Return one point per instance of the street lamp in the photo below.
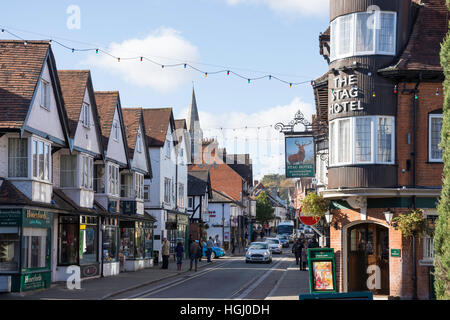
(328, 217)
(388, 216)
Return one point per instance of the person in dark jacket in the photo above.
(297, 250)
(179, 251)
(313, 243)
(195, 251)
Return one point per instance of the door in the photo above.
(368, 258)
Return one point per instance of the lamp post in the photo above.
(388, 216)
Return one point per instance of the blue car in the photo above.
(217, 252)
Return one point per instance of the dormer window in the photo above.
(45, 94)
(85, 115)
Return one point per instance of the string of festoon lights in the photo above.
(184, 65)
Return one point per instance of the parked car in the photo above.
(274, 245)
(258, 252)
(284, 240)
(217, 252)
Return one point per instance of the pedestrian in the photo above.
(165, 253)
(209, 247)
(179, 251)
(217, 241)
(189, 245)
(297, 250)
(304, 259)
(232, 245)
(262, 234)
(313, 243)
(195, 252)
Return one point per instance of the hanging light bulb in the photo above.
(185, 65)
(437, 92)
(228, 72)
(395, 89)
(162, 66)
(374, 95)
(206, 74)
(118, 59)
(73, 50)
(270, 77)
(248, 80)
(141, 59)
(290, 85)
(96, 50)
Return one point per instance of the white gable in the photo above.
(42, 119)
(139, 159)
(116, 148)
(87, 138)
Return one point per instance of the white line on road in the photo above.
(278, 282)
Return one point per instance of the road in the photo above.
(232, 278)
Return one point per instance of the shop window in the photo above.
(34, 248)
(434, 137)
(139, 241)
(68, 240)
(127, 239)
(363, 33)
(88, 241)
(110, 243)
(353, 140)
(68, 171)
(148, 231)
(9, 249)
(17, 158)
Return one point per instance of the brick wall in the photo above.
(400, 268)
(427, 174)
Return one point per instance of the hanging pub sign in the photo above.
(300, 157)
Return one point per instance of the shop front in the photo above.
(136, 244)
(177, 227)
(25, 249)
(110, 246)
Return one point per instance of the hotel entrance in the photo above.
(368, 258)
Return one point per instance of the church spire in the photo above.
(193, 120)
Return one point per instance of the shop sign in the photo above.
(36, 218)
(300, 157)
(35, 281)
(10, 217)
(395, 252)
(128, 207)
(89, 270)
(182, 219)
(344, 95)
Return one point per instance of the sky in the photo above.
(253, 38)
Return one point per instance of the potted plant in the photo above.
(314, 205)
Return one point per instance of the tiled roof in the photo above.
(422, 50)
(131, 119)
(20, 68)
(156, 124)
(73, 86)
(198, 182)
(106, 106)
(180, 127)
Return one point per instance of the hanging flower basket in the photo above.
(314, 205)
(412, 223)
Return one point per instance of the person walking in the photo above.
(304, 259)
(189, 245)
(179, 251)
(195, 252)
(313, 243)
(165, 253)
(297, 250)
(232, 245)
(209, 247)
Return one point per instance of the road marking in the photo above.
(278, 282)
(257, 283)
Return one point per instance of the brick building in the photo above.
(382, 100)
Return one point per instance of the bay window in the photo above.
(434, 137)
(126, 183)
(363, 33)
(17, 158)
(362, 140)
(68, 171)
(41, 160)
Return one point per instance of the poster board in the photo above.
(322, 270)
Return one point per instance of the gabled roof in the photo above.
(198, 182)
(157, 122)
(423, 48)
(132, 117)
(221, 197)
(20, 69)
(21, 66)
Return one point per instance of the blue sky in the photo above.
(250, 37)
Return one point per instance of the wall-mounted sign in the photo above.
(300, 157)
(395, 252)
(344, 95)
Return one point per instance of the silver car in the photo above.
(274, 245)
(258, 252)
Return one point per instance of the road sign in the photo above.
(307, 220)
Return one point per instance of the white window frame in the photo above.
(86, 115)
(335, 30)
(72, 171)
(430, 117)
(167, 192)
(334, 141)
(139, 185)
(86, 172)
(116, 130)
(45, 94)
(47, 169)
(113, 180)
(28, 158)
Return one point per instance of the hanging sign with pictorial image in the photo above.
(300, 157)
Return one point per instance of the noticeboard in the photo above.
(322, 270)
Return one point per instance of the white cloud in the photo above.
(164, 46)
(265, 145)
(290, 7)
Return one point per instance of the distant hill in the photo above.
(274, 182)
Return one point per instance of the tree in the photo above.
(264, 209)
(442, 232)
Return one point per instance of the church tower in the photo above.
(195, 132)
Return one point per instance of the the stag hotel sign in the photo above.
(344, 95)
